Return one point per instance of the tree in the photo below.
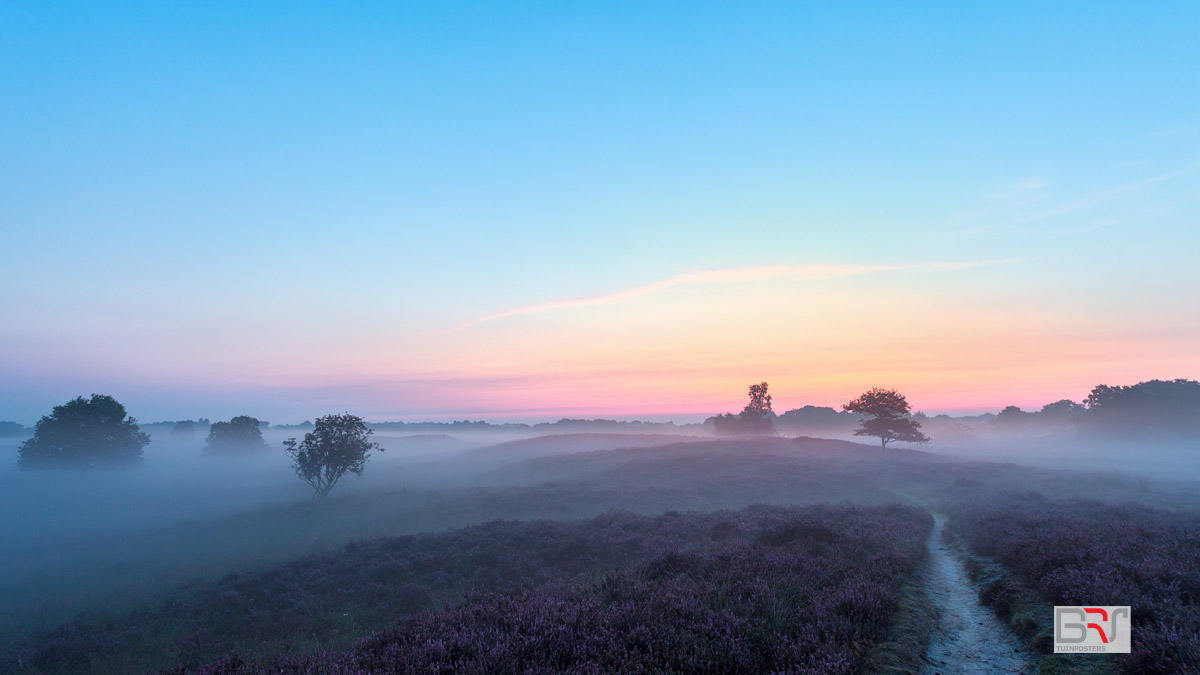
(336, 445)
(755, 418)
(84, 433)
(760, 402)
(240, 434)
(888, 417)
(183, 428)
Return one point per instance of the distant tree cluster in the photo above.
(1052, 415)
(755, 419)
(1162, 409)
(1157, 408)
(564, 425)
(817, 419)
(303, 426)
(10, 429)
(239, 435)
(84, 433)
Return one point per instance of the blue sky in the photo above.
(277, 208)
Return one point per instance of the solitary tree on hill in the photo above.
(83, 433)
(888, 417)
(336, 445)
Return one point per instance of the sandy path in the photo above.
(968, 638)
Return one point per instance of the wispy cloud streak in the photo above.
(705, 277)
(1110, 194)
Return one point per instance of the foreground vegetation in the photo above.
(761, 590)
(1094, 553)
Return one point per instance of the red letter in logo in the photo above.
(1101, 612)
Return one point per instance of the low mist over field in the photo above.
(583, 338)
(100, 544)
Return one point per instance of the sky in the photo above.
(526, 211)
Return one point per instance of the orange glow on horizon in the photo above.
(691, 349)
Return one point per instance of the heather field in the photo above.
(1094, 553)
(800, 590)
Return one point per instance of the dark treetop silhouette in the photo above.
(755, 418)
(337, 444)
(84, 433)
(1165, 409)
(237, 435)
(888, 417)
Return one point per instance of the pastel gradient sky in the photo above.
(528, 211)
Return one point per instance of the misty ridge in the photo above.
(1163, 411)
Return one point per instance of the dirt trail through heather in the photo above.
(968, 638)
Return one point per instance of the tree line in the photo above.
(1151, 410)
(1166, 410)
(887, 416)
(97, 431)
(92, 432)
